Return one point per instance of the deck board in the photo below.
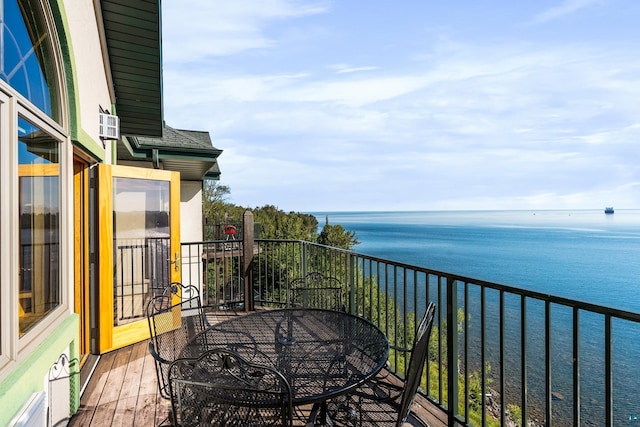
(149, 400)
(126, 406)
(91, 396)
(123, 391)
(106, 409)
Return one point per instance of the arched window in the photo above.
(26, 54)
(30, 107)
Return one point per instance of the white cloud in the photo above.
(196, 29)
(345, 68)
(567, 7)
(453, 122)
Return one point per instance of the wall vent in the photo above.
(109, 126)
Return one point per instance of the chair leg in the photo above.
(319, 416)
(169, 421)
(313, 415)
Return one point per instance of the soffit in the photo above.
(133, 36)
(189, 152)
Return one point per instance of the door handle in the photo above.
(175, 261)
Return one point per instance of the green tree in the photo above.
(277, 224)
(337, 236)
(214, 198)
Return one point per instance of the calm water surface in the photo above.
(584, 254)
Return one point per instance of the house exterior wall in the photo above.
(191, 230)
(29, 360)
(33, 374)
(26, 362)
(86, 71)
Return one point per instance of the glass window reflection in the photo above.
(26, 60)
(39, 221)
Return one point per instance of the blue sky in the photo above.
(412, 105)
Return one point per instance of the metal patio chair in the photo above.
(220, 388)
(182, 291)
(172, 326)
(382, 402)
(187, 293)
(315, 290)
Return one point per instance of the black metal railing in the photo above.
(215, 267)
(496, 352)
(141, 271)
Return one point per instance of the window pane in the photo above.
(39, 209)
(27, 60)
(141, 244)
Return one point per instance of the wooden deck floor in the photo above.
(123, 391)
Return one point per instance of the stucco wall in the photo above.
(191, 229)
(191, 211)
(92, 86)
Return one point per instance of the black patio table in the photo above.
(322, 353)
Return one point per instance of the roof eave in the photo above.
(133, 37)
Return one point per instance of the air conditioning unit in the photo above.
(109, 126)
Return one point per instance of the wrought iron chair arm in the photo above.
(156, 356)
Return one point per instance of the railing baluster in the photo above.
(483, 357)
(576, 366)
(523, 355)
(547, 363)
(466, 352)
(503, 394)
(452, 346)
(440, 351)
(608, 374)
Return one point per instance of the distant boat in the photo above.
(608, 210)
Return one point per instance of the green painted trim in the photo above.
(28, 377)
(179, 156)
(114, 152)
(90, 145)
(78, 135)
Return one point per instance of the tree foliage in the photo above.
(337, 236)
(214, 197)
(273, 223)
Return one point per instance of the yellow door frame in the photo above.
(114, 337)
(81, 253)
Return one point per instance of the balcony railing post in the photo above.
(247, 259)
(452, 349)
(303, 260)
(351, 280)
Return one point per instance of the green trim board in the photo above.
(28, 376)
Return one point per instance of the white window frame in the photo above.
(14, 349)
(7, 344)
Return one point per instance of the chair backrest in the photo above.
(222, 388)
(172, 327)
(315, 290)
(183, 291)
(416, 363)
(186, 293)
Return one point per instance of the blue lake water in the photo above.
(583, 255)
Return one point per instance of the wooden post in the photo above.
(216, 228)
(247, 257)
